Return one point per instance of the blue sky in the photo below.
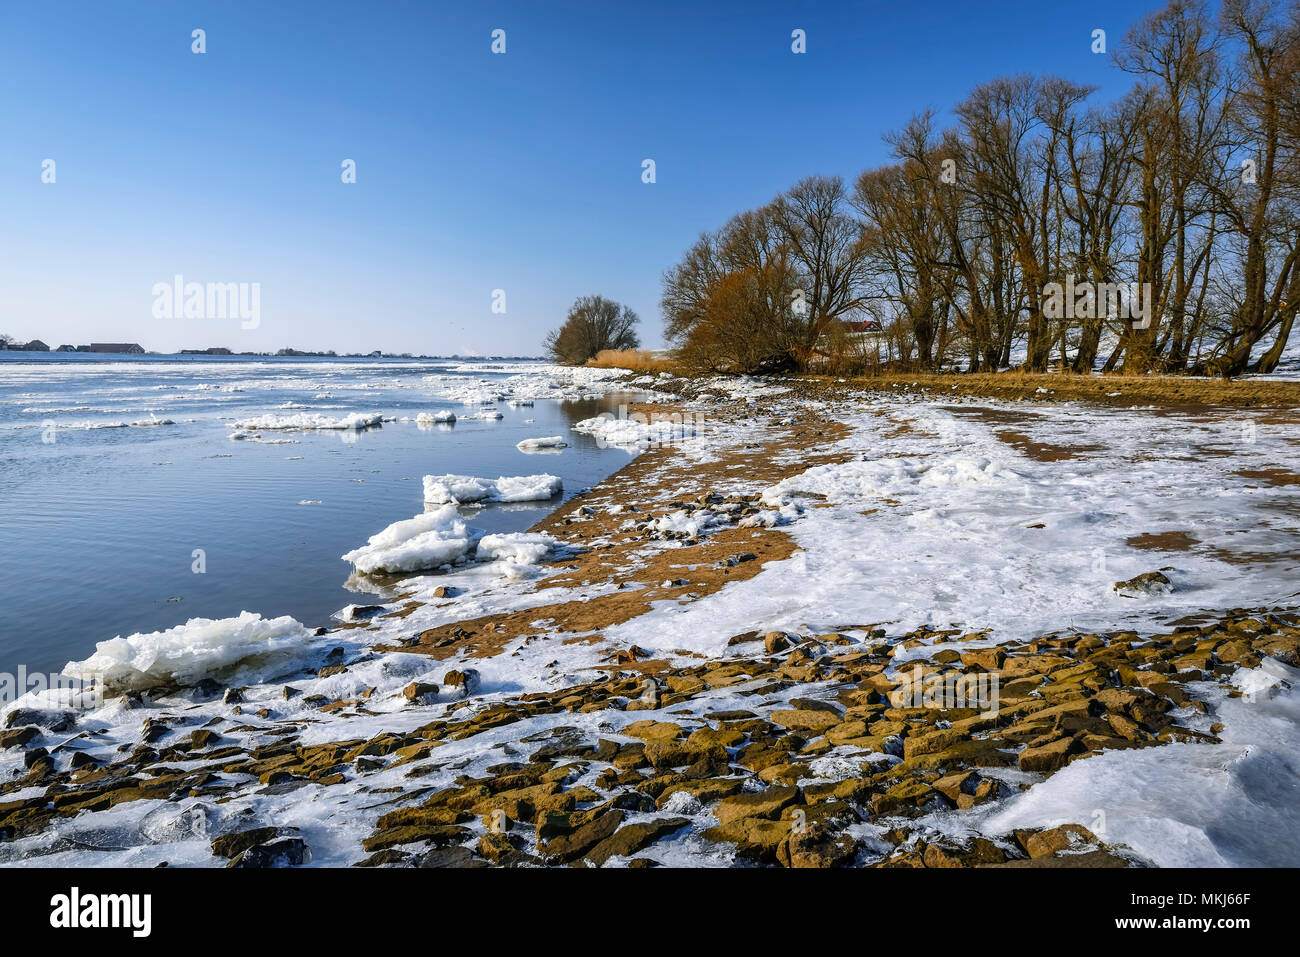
(475, 171)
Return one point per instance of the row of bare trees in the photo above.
(1187, 188)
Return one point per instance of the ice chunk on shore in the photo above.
(546, 442)
(690, 525)
(354, 421)
(427, 541)
(440, 538)
(610, 430)
(523, 548)
(181, 656)
(462, 489)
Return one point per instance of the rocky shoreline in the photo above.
(789, 749)
(571, 797)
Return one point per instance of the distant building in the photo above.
(210, 351)
(36, 346)
(129, 347)
(66, 349)
(860, 326)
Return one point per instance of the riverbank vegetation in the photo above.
(1180, 199)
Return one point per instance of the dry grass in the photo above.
(635, 360)
(1115, 390)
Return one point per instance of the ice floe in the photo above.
(436, 418)
(546, 442)
(426, 541)
(442, 538)
(309, 421)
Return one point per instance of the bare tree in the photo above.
(826, 251)
(1263, 216)
(594, 324)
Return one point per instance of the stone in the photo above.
(1051, 842)
(49, 720)
(916, 745)
(453, 856)
(704, 791)
(990, 659)
(766, 803)
(755, 837)
(386, 858)
(422, 816)
(466, 682)
(290, 852)
(569, 847)
(440, 834)
(709, 739)
(232, 845)
(1046, 758)
(955, 785)
(805, 719)
(775, 641)
(813, 849)
(980, 851)
(502, 849)
(202, 738)
(631, 838)
(653, 730)
(18, 737)
(416, 691)
(1148, 583)
(1126, 728)
(908, 793)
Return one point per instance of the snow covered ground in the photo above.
(1015, 518)
(948, 516)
